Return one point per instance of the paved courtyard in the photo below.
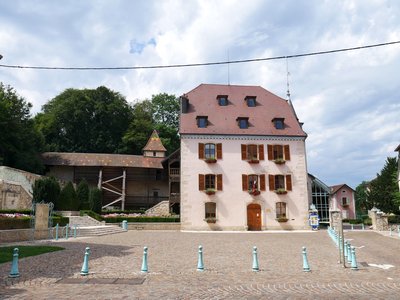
(115, 263)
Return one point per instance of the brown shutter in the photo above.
(219, 151)
(270, 152)
(261, 152)
(287, 152)
(288, 182)
(201, 182)
(244, 152)
(271, 179)
(245, 184)
(219, 182)
(262, 182)
(201, 150)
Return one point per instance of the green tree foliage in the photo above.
(95, 199)
(68, 199)
(46, 189)
(20, 142)
(160, 113)
(82, 192)
(383, 188)
(88, 120)
(361, 196)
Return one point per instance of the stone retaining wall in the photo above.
(19, 235)
(154, 226)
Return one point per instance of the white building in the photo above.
(243, 160)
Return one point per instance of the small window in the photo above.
(278, 151)
(243, 123)
(252, 152)
(345, 201)
(154, 153)
(210, 181)
(202, 122)
(279, 123)
(155, 194)
(209, 151)
(210, 210)
(279, 182)
(251, 101)
(222, 100)
(280, 210)
(252, 182)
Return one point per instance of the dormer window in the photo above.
(251, 101)
(222, 100)
(243, 123)
(202, 121)
(279, 123)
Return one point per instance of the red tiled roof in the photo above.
(154, 143)
(222, 119)
(398, 148)
(336, 188)
(101, 159)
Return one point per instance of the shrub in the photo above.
(91, 214)
(82, 192)
(394, 219)
(68, 198)
(135, 211)
(95, 199)
(18, 211)
(61, 221)
(15, 223)
(46, 189)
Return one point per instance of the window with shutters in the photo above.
(252, 153)
(280, 184)
(280, 208)
(279, 153)
(210, 183)
(253, 183)
(210, 152)
(210, 212)
(345, 201)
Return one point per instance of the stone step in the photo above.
(84, 221)
(97, 230)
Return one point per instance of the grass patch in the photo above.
(6, 253)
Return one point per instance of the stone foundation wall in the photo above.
(19, 235)
(14, 196)
(154, 226)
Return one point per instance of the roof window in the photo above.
(202, 121)
(243, 123)
(279, 123)
(222, 100)
(251, 101)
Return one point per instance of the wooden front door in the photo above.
(254, 217)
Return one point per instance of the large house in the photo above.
(243, 160)
(343, 199)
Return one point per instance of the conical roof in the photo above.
(154, 143)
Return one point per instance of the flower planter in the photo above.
(254, 193)
(210, 192)
(282, 220)
(253, 161)
(210, 160)
(279, 161)
(281, 191)
(210, 220)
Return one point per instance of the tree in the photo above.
(68, 199)
(46, 189)
(20, 142)
(361, 196)
(82, 192)
(88, 120)
(95, 199)
(383, 189)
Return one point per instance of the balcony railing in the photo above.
(174, 172)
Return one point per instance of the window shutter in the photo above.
(219, 151)
(271, 179)
(201, 182)
(262, 182)
(287, 152)
(288, 182)
(245, 184)
(201, 151)
(219, 182)
(244, 152)
(270, 152)
(261, 152)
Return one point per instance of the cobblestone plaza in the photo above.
(115, 263)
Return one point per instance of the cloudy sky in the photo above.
(349, 102)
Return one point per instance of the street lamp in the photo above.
(1, 56)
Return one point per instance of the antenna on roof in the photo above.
(287, 79)
(229, 82)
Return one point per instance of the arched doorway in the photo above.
(254, 217)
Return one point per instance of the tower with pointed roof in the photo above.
(154, 146)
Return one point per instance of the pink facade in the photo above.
(343, 199)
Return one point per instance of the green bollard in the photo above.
(306, 267)
(363, 226)
(66, 231)
(353, 259)
(352, 227)
(74, 231)
(349, 259)
(200, 264)
(144, 263)
(85, 266)
(255, 260)
(345, 249)
(57, 232)
(14, 266)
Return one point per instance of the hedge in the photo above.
(13, 211)
(142, 219)
(25, 222)
(394, 219)
(137, 211)
(92, 214)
